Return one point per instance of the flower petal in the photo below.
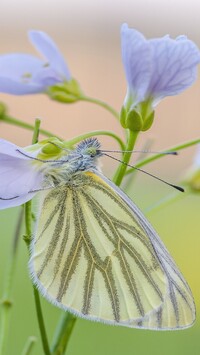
(17, 72)
(10, 149)
(196, 162)
(16, 201)
(49, 50)
(13, 87)
(19, 65)
(174, 66)
(19, 175)
(136, 55)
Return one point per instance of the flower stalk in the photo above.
(160, 155)
(63, 333)
(121, 170)
(28, 225)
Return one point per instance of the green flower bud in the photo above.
(192, 180)
(134, 121)
(66, 92)
(123, 115)
(195, 182)
(50, 148)
(148, 121)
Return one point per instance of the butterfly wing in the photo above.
(96, 255)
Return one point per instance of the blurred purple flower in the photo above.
(22, 74)
(157, 67)
(19, 175)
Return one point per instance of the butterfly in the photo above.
(94, 253)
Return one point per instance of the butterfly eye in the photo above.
(91, 151)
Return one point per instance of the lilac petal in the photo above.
(174, 66)
(197, 158)
(136, 55)
(47, 77)
(17, 72)
(16, 201)
(18, 65)
(9, 86)
(49, 50)
(18, 174)
(12, 150)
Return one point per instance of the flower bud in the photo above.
(123, 115)
(66, 92)
(134, 121)
(50, 148)
(148, 121)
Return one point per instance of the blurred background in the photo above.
(88, 34)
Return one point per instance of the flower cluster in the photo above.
(154, 69)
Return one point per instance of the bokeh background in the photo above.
(88, 34)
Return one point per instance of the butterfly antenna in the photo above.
(140, 151)
(179, 188)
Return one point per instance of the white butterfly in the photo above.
(93, 252)
(96, 255)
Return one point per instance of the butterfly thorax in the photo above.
(69, 170)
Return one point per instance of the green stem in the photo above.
(28, 219)
(40, 318)
(6, 302)
(96, 133)
(19, 123)
(29, 345)
(160, 155)
(63, 333)
(100, 103)
(121, 171)
(28, 224)
(30, 127)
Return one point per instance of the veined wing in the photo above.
(96, 255)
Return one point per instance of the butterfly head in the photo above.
(89, 148)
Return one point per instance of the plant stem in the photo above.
(121, 171)
(6, 302)
(96, 133)
(40, 318)
(28, 219)
(28, 224)
(160, 155)
(29, 345)
(63, 333)
(30, 127)
(19, 123)
(102, 104)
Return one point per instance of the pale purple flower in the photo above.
(22, 74)
(19, 175)
(196, 162)
(157, 67)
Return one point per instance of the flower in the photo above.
(23, 171)
(22, 74)
(156, 68)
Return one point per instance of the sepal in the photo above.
(66, 92)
